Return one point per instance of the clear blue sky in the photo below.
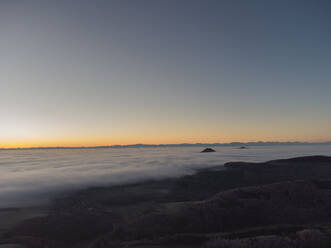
(170, 71)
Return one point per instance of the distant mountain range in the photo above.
(258, 143)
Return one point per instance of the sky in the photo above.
(84, 73)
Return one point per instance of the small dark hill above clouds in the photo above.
(208, 150)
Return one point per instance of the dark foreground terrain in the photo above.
(280, 203)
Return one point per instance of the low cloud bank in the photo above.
(33, 177)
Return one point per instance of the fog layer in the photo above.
(32, 177)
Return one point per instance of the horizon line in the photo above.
(251, 143)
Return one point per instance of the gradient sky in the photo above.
(171, 71)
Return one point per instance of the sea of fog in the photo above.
(31, 177)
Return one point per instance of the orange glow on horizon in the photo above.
(124, 142)
(152, 135)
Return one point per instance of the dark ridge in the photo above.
(302, 160)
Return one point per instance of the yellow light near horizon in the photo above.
(92, 143)
(40, 136)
